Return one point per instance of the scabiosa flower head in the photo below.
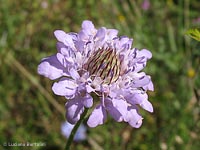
(98, 61)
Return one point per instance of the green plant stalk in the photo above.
(71, 137)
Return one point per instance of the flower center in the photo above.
(104, 63)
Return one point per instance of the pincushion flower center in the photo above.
(104, 63)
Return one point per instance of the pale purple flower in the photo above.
(80, 135)
(98, 61)
(145, 5)
(196, 20)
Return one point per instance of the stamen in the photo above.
(104, 63)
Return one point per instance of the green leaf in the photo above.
(194, 33)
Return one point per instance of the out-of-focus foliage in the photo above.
(31, 113)
(194, 33)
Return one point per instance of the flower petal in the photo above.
(141, 59)
(88, 27)
(133, 118)
(62, 59)
(137, 97)
(97, 117)
(51, 68)
(64, 50)
(117, 108)
(83, 37)
(89, 89)
(100, 35)
(65, 87)
(74, 74)
(141, 82)
(147, 105)
(111, 33)
(87, 100)
(144, 53)
(64, 38)
(123, 43)
(149, 86)
(74, 109)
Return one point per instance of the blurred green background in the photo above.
(30, 112)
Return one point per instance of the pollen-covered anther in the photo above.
(105, 64)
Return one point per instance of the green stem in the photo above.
(71, 137)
